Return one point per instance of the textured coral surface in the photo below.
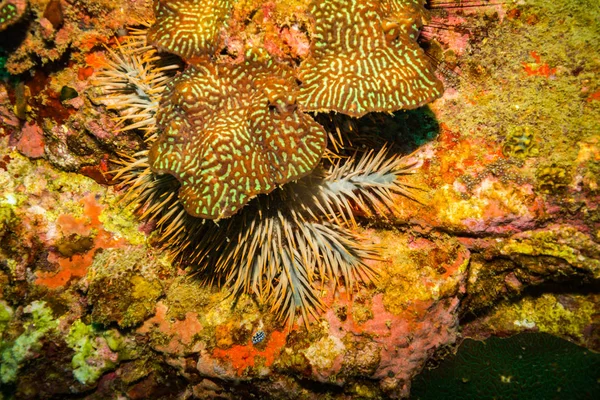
(362, 61)
(224, 142)
(505, 237)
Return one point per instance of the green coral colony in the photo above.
(232, 138)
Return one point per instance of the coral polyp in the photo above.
(234, 174)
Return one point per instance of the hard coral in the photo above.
(188, 28)
(359, 63)
(229, 133)
(519, 142)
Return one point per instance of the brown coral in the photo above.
(188, 28)
(360, 62)
(231, 132)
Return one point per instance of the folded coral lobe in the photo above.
(363, 59)
(188, 28)
(231, 132)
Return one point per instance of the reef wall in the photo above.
(505, 237)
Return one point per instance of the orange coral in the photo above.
(77, 265)
(593, 96)
(242, 357)
(538, 68)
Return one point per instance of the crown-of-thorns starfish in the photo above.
(231, 140)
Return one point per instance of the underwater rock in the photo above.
(527, 366)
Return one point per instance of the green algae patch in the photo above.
(74, 183)
(6, 314)
(15, 353)
(564, 243)
(7, 214)
(96, 351)
(11, 199)
(118, 219)
(547, 313)
(36, 187)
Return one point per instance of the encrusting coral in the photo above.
(230, 142)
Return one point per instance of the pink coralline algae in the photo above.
(178, 335)
(31, 142)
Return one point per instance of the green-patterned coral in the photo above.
(188, 28)
(231, 132)
(11, 12)
(360, 62)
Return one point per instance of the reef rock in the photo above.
(498, 234)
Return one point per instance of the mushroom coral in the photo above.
(188, 28)
(362, 61)
(231, 132)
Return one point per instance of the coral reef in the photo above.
(54, 29)
(504, 237)
(222, 133)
